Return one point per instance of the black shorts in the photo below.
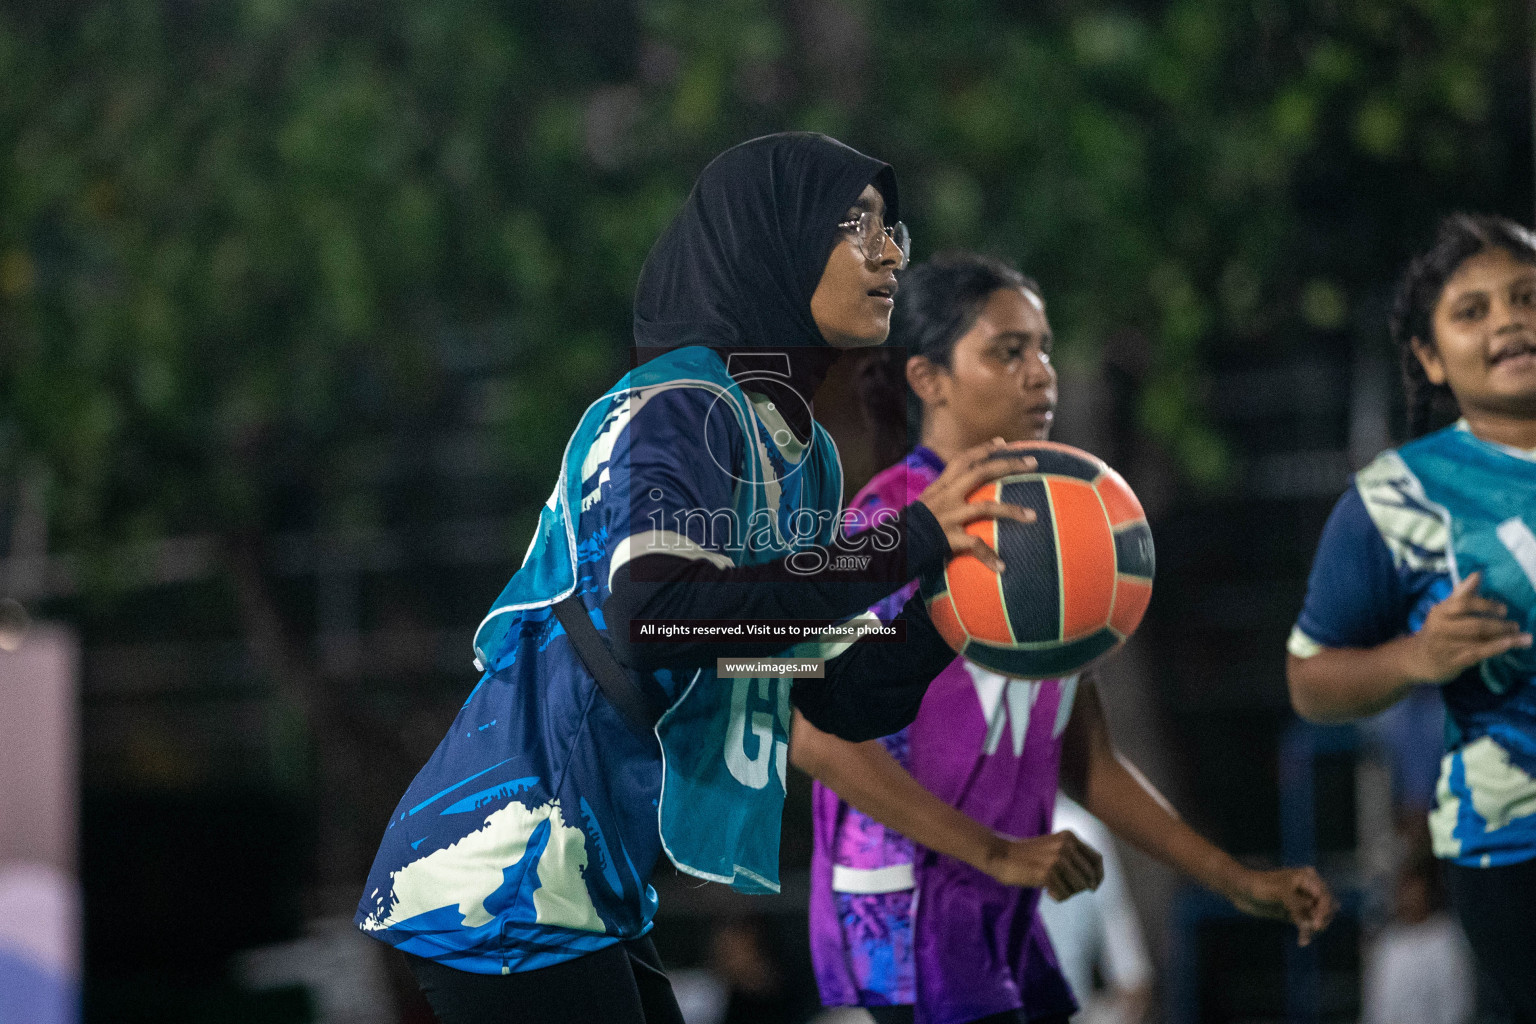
(622, 984)
(1497, 907)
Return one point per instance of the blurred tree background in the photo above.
(299, 301)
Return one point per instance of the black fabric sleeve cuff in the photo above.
(875, 688)
(927, 547)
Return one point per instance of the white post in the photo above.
(40, 954)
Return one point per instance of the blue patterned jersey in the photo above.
(528, 836)
(1417, 520)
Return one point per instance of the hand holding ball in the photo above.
(1078, 571)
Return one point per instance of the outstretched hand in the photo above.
(946, 497)
(1298, 895)
(1461, 631)
(1061, 864)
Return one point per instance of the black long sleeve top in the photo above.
(872, 688)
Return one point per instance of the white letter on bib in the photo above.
(751, 772)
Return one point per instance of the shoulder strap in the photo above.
(641, 705)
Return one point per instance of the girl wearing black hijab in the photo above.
(513, 873)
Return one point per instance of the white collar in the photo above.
(1528, 454)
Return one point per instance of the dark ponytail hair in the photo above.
(1460, 237)
(937, 302)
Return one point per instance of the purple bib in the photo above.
(893, 923)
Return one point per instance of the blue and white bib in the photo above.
(527, 838)
(1419, 520)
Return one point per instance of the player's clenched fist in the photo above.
(1297, 895)
(1459, 632)
(1061, 864)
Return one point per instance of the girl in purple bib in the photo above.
(932, 846)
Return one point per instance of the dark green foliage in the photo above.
(230, 230)
(232, 235)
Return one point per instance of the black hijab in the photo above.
(738, 265)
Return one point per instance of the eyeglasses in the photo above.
(869, 237)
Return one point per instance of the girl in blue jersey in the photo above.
(1426, 574)
(513, 873)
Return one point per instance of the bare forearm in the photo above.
(1093, 772)
(1137, 813)
(1340, 683)
(1115, 791)
(870, 779)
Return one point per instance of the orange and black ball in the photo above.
(1077, 580)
